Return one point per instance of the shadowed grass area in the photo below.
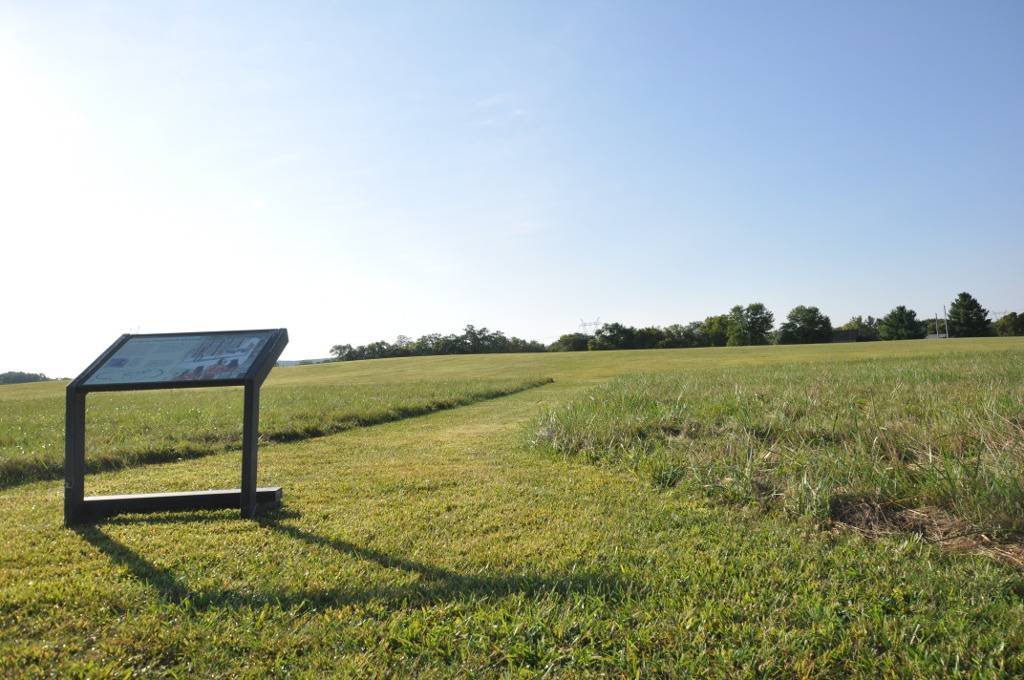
(944, 432)
(430, 583)
(147, 427)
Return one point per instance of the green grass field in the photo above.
(720, 512)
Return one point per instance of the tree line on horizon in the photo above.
(18, 377)
(472, 340)
(753, 324)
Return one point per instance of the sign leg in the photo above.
(250, 439)
(74, 456)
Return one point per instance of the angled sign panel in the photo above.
(172, 358)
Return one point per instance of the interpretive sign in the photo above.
(207, 356)
(168, 361)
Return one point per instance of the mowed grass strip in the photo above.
(125, 429)
(854, 441)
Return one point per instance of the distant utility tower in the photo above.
(588, 327)
(938, 334)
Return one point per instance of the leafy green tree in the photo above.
(967, 318)
(737, 329)
(571, 342)
(678, 335)
(472, 339)
(750, 325)
(613, 336)
(429, 344)
(1010, 324)
(805, 325)
(760, 321)
(341, 352)
(378, 350)
(520, 345)
(715, 330)
(450, 344)
(867, 329)
(901, 324)
(648, 338)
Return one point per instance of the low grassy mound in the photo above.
(141, 427)
(942, 433)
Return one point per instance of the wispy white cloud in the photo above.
(499, 99)
(502, 108)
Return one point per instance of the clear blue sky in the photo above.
(357, 170)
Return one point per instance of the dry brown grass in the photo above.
(931, 524)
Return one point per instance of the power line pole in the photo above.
(586, 326)
(946, 319)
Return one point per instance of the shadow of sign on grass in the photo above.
(436, 584)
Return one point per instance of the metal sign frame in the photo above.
(80, 508)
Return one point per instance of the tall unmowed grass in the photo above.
(941, 432)
(142, 427)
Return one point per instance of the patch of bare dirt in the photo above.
(932, 524)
